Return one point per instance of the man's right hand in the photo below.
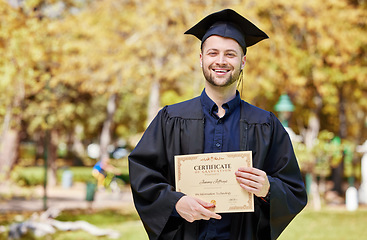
(192, 209)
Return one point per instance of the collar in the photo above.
(210, 106)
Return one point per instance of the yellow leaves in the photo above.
(326, 44)
(335, 60)
(38, 54)
(122, 46)
(7, 72)
(319, 75)
(299, 81)
(31, 4)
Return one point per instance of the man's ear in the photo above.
(243, 62)
(201, 60)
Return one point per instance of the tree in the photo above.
(62, 67)
(22, 59)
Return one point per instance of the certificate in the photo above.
(211, 177)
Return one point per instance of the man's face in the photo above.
(221, 60)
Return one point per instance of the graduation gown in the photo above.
(179, 129)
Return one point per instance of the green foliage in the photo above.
(32, 176)
(327, 152)
(80, 174)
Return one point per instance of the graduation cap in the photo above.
(230, 24)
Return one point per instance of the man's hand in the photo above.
(192, 209)
(253, 180)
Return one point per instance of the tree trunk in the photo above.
(106, 130)
(343, 128)
(77, 147)
(154, 98)
(51, 159)
(312, 131)
(154, 101)
(337, 171)
(9, 144)
(8, 152)
(310, 135)
(10, 135)
(315, 194)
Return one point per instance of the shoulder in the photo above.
(190, 109)
(255, 115)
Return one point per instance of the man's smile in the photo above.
(221, 71)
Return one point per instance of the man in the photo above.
(100, 170)
(217, 121)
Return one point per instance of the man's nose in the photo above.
(221, 60)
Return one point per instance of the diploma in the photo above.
(211, 177)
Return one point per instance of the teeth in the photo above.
(221, 71)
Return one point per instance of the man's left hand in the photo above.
(253, 180)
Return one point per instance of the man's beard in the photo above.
(229, 80)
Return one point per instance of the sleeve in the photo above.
(288, 195)
(151, 183)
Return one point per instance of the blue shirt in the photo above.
(98, 166)
(220, 135)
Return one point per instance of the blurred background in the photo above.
(80, 80)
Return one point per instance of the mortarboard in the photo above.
(230, 24)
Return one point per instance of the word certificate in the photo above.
(211, 177)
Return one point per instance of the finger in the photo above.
(252, 170)
(249, 182)
(250, 177)
(208, 210)
(210, 214)
(252, 174)
(249, 189)
(206, 213)
(205, 204)
(260, 189)
(204, 217)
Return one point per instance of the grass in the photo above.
(127, 224)
(335, 224)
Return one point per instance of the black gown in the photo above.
(179, 129)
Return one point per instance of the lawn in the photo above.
(333, 224)
(129, 229)
(124, 221)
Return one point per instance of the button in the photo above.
(217, 145)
